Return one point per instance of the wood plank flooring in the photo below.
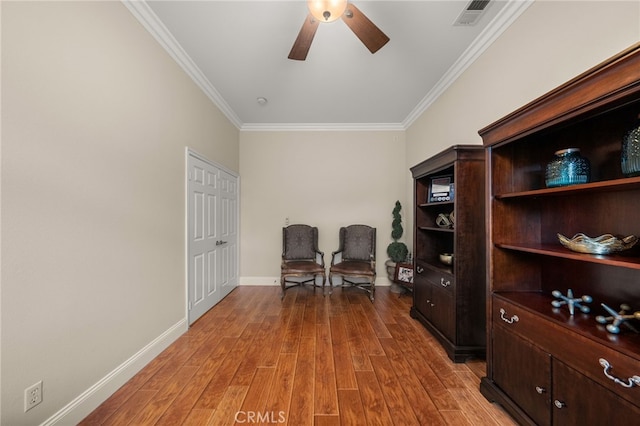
(304, 360)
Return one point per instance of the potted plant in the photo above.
(397, 250)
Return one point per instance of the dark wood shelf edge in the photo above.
(561, 252)
(494, 394)
(436, 229)
(444, 159)
(437, 204)
(457, 354)
(623, 184)
(437, 266)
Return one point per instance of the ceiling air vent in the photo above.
(471, 13)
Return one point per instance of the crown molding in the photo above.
(509, 13)
(318, 127)
(150, 21)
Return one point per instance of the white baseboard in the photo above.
(90, 399)
(275, 281)
(260, 281)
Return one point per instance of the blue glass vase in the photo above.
(630, 158)
(568, 168)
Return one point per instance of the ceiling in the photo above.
(236, 51)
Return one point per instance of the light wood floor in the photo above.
(305, 360)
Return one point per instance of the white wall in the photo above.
(95, 120)
(325, 179)
(549, 44)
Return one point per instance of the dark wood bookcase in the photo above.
(449, 300)
(544, 365)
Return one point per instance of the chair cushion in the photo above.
(352, 267)
(302, 267)
(299, 243)
(358, 243)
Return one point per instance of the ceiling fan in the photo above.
(329, 11)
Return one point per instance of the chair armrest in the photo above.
(333, 256)
(321, 254)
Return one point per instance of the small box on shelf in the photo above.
(441, 189)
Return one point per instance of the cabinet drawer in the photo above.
(515, 319)
(591, 359)
(579, 352)
(580, 401)
(438, 278)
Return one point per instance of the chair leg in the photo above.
(282, 284)
(373, 288)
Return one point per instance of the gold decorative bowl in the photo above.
(604, 244)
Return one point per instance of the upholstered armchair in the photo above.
(355, 259)
(301, 258)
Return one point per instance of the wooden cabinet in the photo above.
(544, 365)
(540, 383)
(449, 300)
(434, 298)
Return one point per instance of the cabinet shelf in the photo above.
(436, 266)
(626, 184)
(436, 229)
(436, 204)
(621, 260)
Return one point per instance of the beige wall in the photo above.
(550, 43)
(95, 120)
(325, 179)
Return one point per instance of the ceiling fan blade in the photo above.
(303, 41)
(367, 32)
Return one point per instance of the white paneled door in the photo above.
(212, 226)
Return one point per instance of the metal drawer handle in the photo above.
(559, 404)
(631, 382)
(419, 269)
(540, 390)
(508, 320)
(444, 283)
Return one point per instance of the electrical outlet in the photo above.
(32, 396)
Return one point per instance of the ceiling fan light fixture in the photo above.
(327, 10)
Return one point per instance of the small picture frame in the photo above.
(441, 189)
(404, 273)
